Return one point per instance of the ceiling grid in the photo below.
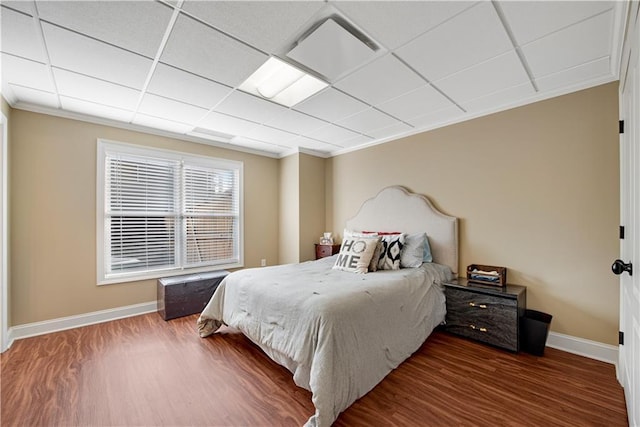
(176, 67)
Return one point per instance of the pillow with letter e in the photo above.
(356, 253)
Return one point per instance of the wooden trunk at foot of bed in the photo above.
(184, 295)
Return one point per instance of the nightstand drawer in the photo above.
(493, 310)
(487, 315)
(326, 250)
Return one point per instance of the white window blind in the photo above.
(166, 211)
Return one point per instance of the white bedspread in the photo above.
(339, 333)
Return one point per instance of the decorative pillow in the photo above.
(427, 251)
(373, 265)
(392, 245)
(413, 252)
(356, 252)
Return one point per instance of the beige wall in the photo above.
(312, 204)
(4, 107)
(289, 237)
(536, 189)
(53, 215)
(6, 111)
(302, 206)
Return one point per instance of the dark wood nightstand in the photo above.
(490, 314)
(326, 250)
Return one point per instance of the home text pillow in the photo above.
(392, 245)
(373, 265)
(356, 253)
(413, 252)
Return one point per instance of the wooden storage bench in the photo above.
(184, 295)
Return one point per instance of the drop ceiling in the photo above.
(174, 67)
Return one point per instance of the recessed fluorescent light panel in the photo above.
(282, 83)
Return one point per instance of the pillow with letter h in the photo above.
(355, 253)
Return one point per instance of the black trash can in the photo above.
(534, 331)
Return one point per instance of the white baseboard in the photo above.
(583, 347)
(86, 319)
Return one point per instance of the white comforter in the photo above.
(340, 333)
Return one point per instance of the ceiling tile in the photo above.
(94, 90)
(393, 23)
(134, 25)
(496, 100)
(358, 140)
(202, 50)
(218, 122)
(186, 87)
(530, 20)
(20, 36)
(390, 131)
(580, 43)
(249, 107)
(312, 144)
(258, 145)
(163, 124)
(367, 121)
(34, 96)
(269, 134)
(293, 121)
(83, 55)
(237, 127)
(471, 37)
(380, 81)
(21, 5)
(266, 25)
(434, 119)
(334, 134)
(169, 109)
(576, 75)
(27, 73)
(487, 77)
(416, 103)
(331, 105)
(97, 110)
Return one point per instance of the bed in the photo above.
(338, 332)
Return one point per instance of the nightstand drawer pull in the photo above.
(475, 328)
(473, 304)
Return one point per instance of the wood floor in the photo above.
(144, 371)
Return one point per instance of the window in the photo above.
(163, 212)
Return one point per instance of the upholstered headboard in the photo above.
(395, 209)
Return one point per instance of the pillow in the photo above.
(355, 252)
(427, 251)
(373, 265)
(413, 252)
(392, 245)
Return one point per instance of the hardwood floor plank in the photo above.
(145, 371)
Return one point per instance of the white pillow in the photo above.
(356, 252)
(413, 252)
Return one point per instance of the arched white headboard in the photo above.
(395, 209)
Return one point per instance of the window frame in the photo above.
(104, 147)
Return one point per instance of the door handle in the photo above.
(620, 267)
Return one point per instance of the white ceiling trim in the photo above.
(138, 128)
